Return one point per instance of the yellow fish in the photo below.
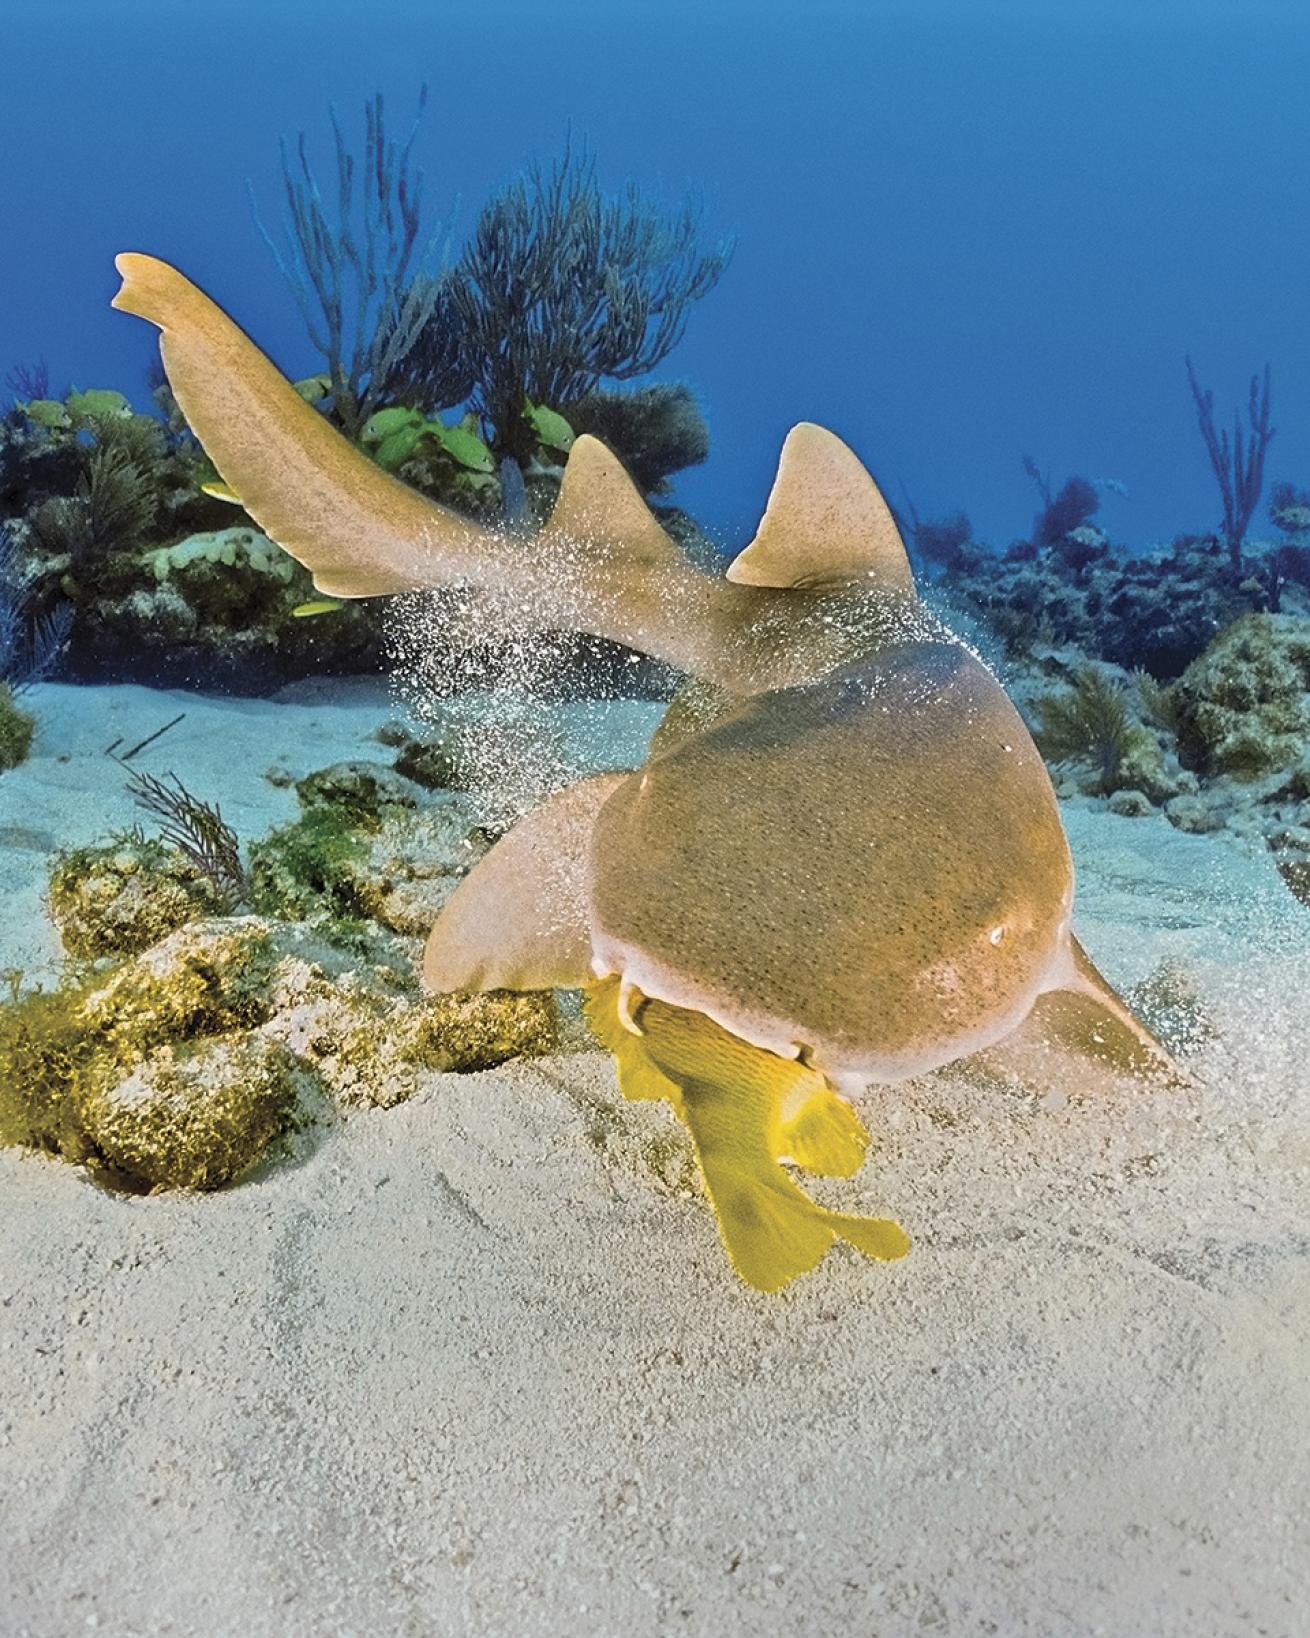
(747, 1111)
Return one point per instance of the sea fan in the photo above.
(197, 829)
(29, 648)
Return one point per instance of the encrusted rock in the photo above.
(369, 1044)
(468, 1032)
(365, 791)
(206, 978)
(121, 898)
(432, 763)
(16, 730)
(193, 1118)
(415, 862)
(1243, 707)
(1192, 813)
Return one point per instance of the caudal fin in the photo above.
(359, 531)
(771, 1229)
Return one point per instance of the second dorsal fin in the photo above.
(600, 508)
(826, 521)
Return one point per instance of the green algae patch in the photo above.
(361, 793)
(361, 854)
(16, 730)
(306, 871)
(124, 896)
(51, 1061)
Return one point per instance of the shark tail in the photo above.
(603, 564)
(360, 531)
(746, 1110)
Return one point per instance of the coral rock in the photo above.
(206, 978)
(121, 898)
(469, 1032)
(193, 1120)
(1243, 707)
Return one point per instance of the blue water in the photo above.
(965, 231)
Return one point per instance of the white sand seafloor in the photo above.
(467, 1367)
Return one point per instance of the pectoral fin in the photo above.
(519, 919)
(1079, 1038)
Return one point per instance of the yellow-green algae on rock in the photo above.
(180, 1066)
(193, 1119)
(135, 1071)
(125, 895)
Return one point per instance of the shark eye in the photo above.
(997, 934)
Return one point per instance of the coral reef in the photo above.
(124, 557)
(655, 431)
(1223, 748)
(1157, 612)
(128, 542)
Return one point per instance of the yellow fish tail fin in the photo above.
(771, 1230)
(746, 1108)
(826, 1136)
(877, 1237)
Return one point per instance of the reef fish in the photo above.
(843, 861)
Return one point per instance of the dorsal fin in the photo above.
(826, 520)
(600, 506)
